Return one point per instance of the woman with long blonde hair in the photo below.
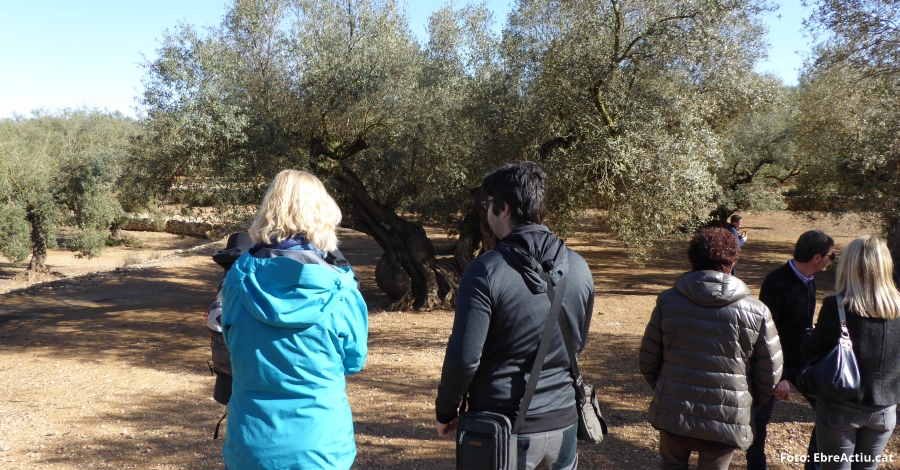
(296, 326)
(858, 430)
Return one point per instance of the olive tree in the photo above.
(339, 88)
(849, 119)
(622, 103)
(629, 99)
(60, 169)
(760, 158)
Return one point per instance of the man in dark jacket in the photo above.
(790, 294)
(501, 310)
(712, 356)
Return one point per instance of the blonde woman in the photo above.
(296, 325)
(858, 430)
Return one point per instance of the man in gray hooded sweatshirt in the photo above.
(501, 309)
(712, 356)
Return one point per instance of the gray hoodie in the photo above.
(501, 310)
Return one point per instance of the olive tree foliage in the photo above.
(849, 119)
(759, 150)
(341, 89)
(629, 100)
(623, 103)
(60, 169)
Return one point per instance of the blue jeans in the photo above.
(552, 450)
(855, 431)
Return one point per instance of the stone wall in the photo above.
(177, 225)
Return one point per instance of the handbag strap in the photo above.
(845, 333)
(556, 297)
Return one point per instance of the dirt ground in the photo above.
(108, 370)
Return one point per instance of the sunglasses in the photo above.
(487, 203)
(832, 256)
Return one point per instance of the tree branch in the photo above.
(748, 175)
(601, 107)
(13, 181)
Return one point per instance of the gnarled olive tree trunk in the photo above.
(432, 281)
(39, 214)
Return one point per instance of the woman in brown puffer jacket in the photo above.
(712, 356)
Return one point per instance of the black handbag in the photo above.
(832, 376)
(485, 440)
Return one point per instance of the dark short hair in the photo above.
(713, 248)
(736, 218)
(812, 243)
(521, 185)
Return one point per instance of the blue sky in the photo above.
(72, 53)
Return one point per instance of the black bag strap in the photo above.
(216, 434)
(556, 298)
(567, 339)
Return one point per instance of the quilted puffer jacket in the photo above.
(712, 356)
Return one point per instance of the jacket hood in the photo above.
(711, 288)
(289, 291)
(531, 249)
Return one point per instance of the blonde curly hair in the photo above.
(297, 203)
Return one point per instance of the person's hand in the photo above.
(783, 390)
(446, 430)
(744, 235)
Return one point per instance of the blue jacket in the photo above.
(295, 326)
(737, 235)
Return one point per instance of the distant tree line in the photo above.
(646, 110)
(61, 169)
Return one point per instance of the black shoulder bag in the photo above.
(591, 425)
(833, 376)
(486, 440)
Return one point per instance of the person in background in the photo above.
(296, 325)
(735, 228)
(860, 427)
(790, 293)
(220, 364)
(711, 354)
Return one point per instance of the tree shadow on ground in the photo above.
(616, 273)
(159, 431)
(113, 314)
(396, 432)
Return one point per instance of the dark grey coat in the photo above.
(712, 355)
(501, 310)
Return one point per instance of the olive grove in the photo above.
(848, 119)
(630, 106)
(60, 169)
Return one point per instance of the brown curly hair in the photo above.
(713, 249)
